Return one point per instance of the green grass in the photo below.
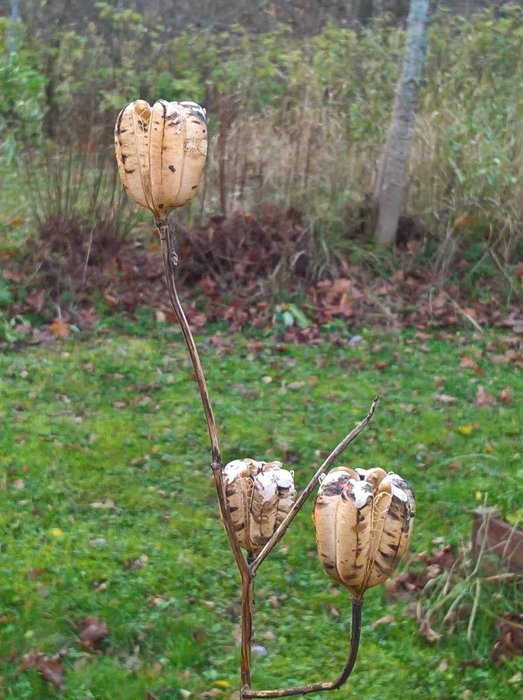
(117, 416)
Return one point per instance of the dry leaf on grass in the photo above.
(426, 631)
(443, 557)
(506, 395)
(332, 611)
(49, 667)
(91, 631)
(484, 398)
(445, 398)
(406, 586)
(60, 329)
(468, 362)
(385, 620)
(510, 641)
(139, 563)
(35, 301)
(103, 504)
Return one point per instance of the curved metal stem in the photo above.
(357, 607)
(246, 640)
(170, 262)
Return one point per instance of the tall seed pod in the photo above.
(160, 151)
(363, 521)
(259, 495)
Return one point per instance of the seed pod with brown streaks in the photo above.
(363, 523)
(160, 151)
(258, 495)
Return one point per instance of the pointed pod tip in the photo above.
(142, 109)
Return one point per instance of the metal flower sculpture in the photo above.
(363, 519)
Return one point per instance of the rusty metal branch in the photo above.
(170, 262)
(336, 452)
(357, 607)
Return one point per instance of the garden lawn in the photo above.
(107, 509)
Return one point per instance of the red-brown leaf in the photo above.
(484, 398)
(506, 395)
(91, 631)
(50, 668)
(60, 329)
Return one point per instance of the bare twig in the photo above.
(466, 315)
(336, 452)
(87, 256)
(170, 261)
(357, 606)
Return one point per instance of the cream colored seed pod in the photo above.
(363, 521)
(160, 151)
(259, 495)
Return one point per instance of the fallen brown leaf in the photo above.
(14, 277)
(468, 362)
(444, 557)
(60, 329)
(506, 395)
(91, 631)
(484, 398)
(426, 631)
(510, 641)
(138, 563)
(385, 620)
(103, 504)
(332, 611)
(445, 398)
(35, 301)
(110, 298)
(406, 586)
(49, 667)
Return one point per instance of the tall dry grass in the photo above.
(301, 123)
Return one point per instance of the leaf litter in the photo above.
(234, 269)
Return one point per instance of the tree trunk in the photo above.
(390, 189)
(15, 16)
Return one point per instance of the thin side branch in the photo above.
(170, 262)
(357, 607)
(336, 452)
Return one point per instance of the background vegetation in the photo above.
(295, 121)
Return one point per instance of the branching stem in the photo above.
(248, 568)
(357, 607)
